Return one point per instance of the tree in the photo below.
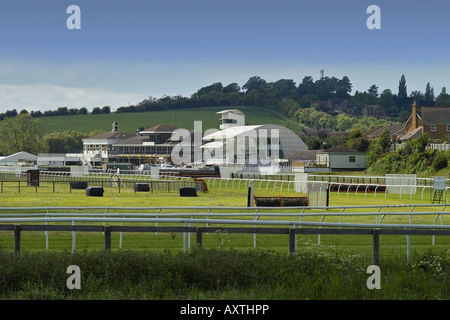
(443, 99)
(215, 87)
(307, 87)
(387, 101)
(429, 95)
(385, 140)
(373, 90)
(232, 87)
(21, 134)
(63, 142)
(357, 141)
(36, 114)
(11, 113)
(254, 83)
(402, 97)
(420, 144)
(62, 111)
(418, 97)
(105, 110)
(82, 110)
(374, 154)
(345, 86)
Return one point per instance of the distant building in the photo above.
(432, 121)
(375, 111)
(149, 146)
(348, 107)
(396, 130)
(237, 142)
(231, 118)
(19, 158)
(342, 159)
(334, 159)
(305, 161)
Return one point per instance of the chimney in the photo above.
(414, 115)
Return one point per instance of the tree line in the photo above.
(61, 111)
(22, 133)
(283, 95)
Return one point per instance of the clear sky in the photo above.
(129, 50)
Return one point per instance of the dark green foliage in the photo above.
(413, 158)
(313, 273)
(440, 161)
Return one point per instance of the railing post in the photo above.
(107, 238)
(376, 246)
(292, 248)
(17, 230)
(199, 237)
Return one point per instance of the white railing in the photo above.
(229, 216)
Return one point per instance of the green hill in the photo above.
(183, 118)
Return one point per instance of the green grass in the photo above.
(180, 118)
(153, 266)
(316, 273)
(216, 197)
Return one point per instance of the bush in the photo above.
(440, 161)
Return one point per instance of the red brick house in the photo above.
(432, 121)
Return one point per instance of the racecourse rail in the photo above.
(250, 220)
(343, 185)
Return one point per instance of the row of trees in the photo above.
(62, 111)
(258, 92)
(283, 95)
(22, 133)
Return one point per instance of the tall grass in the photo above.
(315, 273)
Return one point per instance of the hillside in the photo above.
(183, 118)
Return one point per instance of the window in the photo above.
(352, 159)
(432, 128)
(448, 128)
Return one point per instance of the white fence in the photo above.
(186, 216)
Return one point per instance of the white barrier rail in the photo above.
(253, 215)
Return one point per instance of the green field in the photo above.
(152, 266)
(223, 196)
(180, 118)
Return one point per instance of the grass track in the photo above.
(45, 197)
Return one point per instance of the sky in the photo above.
(127, 51)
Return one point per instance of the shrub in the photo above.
(440, 161)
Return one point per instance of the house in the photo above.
(348, 107)
(432, 121)
(436, 122)
(375, 111)
(396, 130)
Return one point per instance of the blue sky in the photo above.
(129, 50)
